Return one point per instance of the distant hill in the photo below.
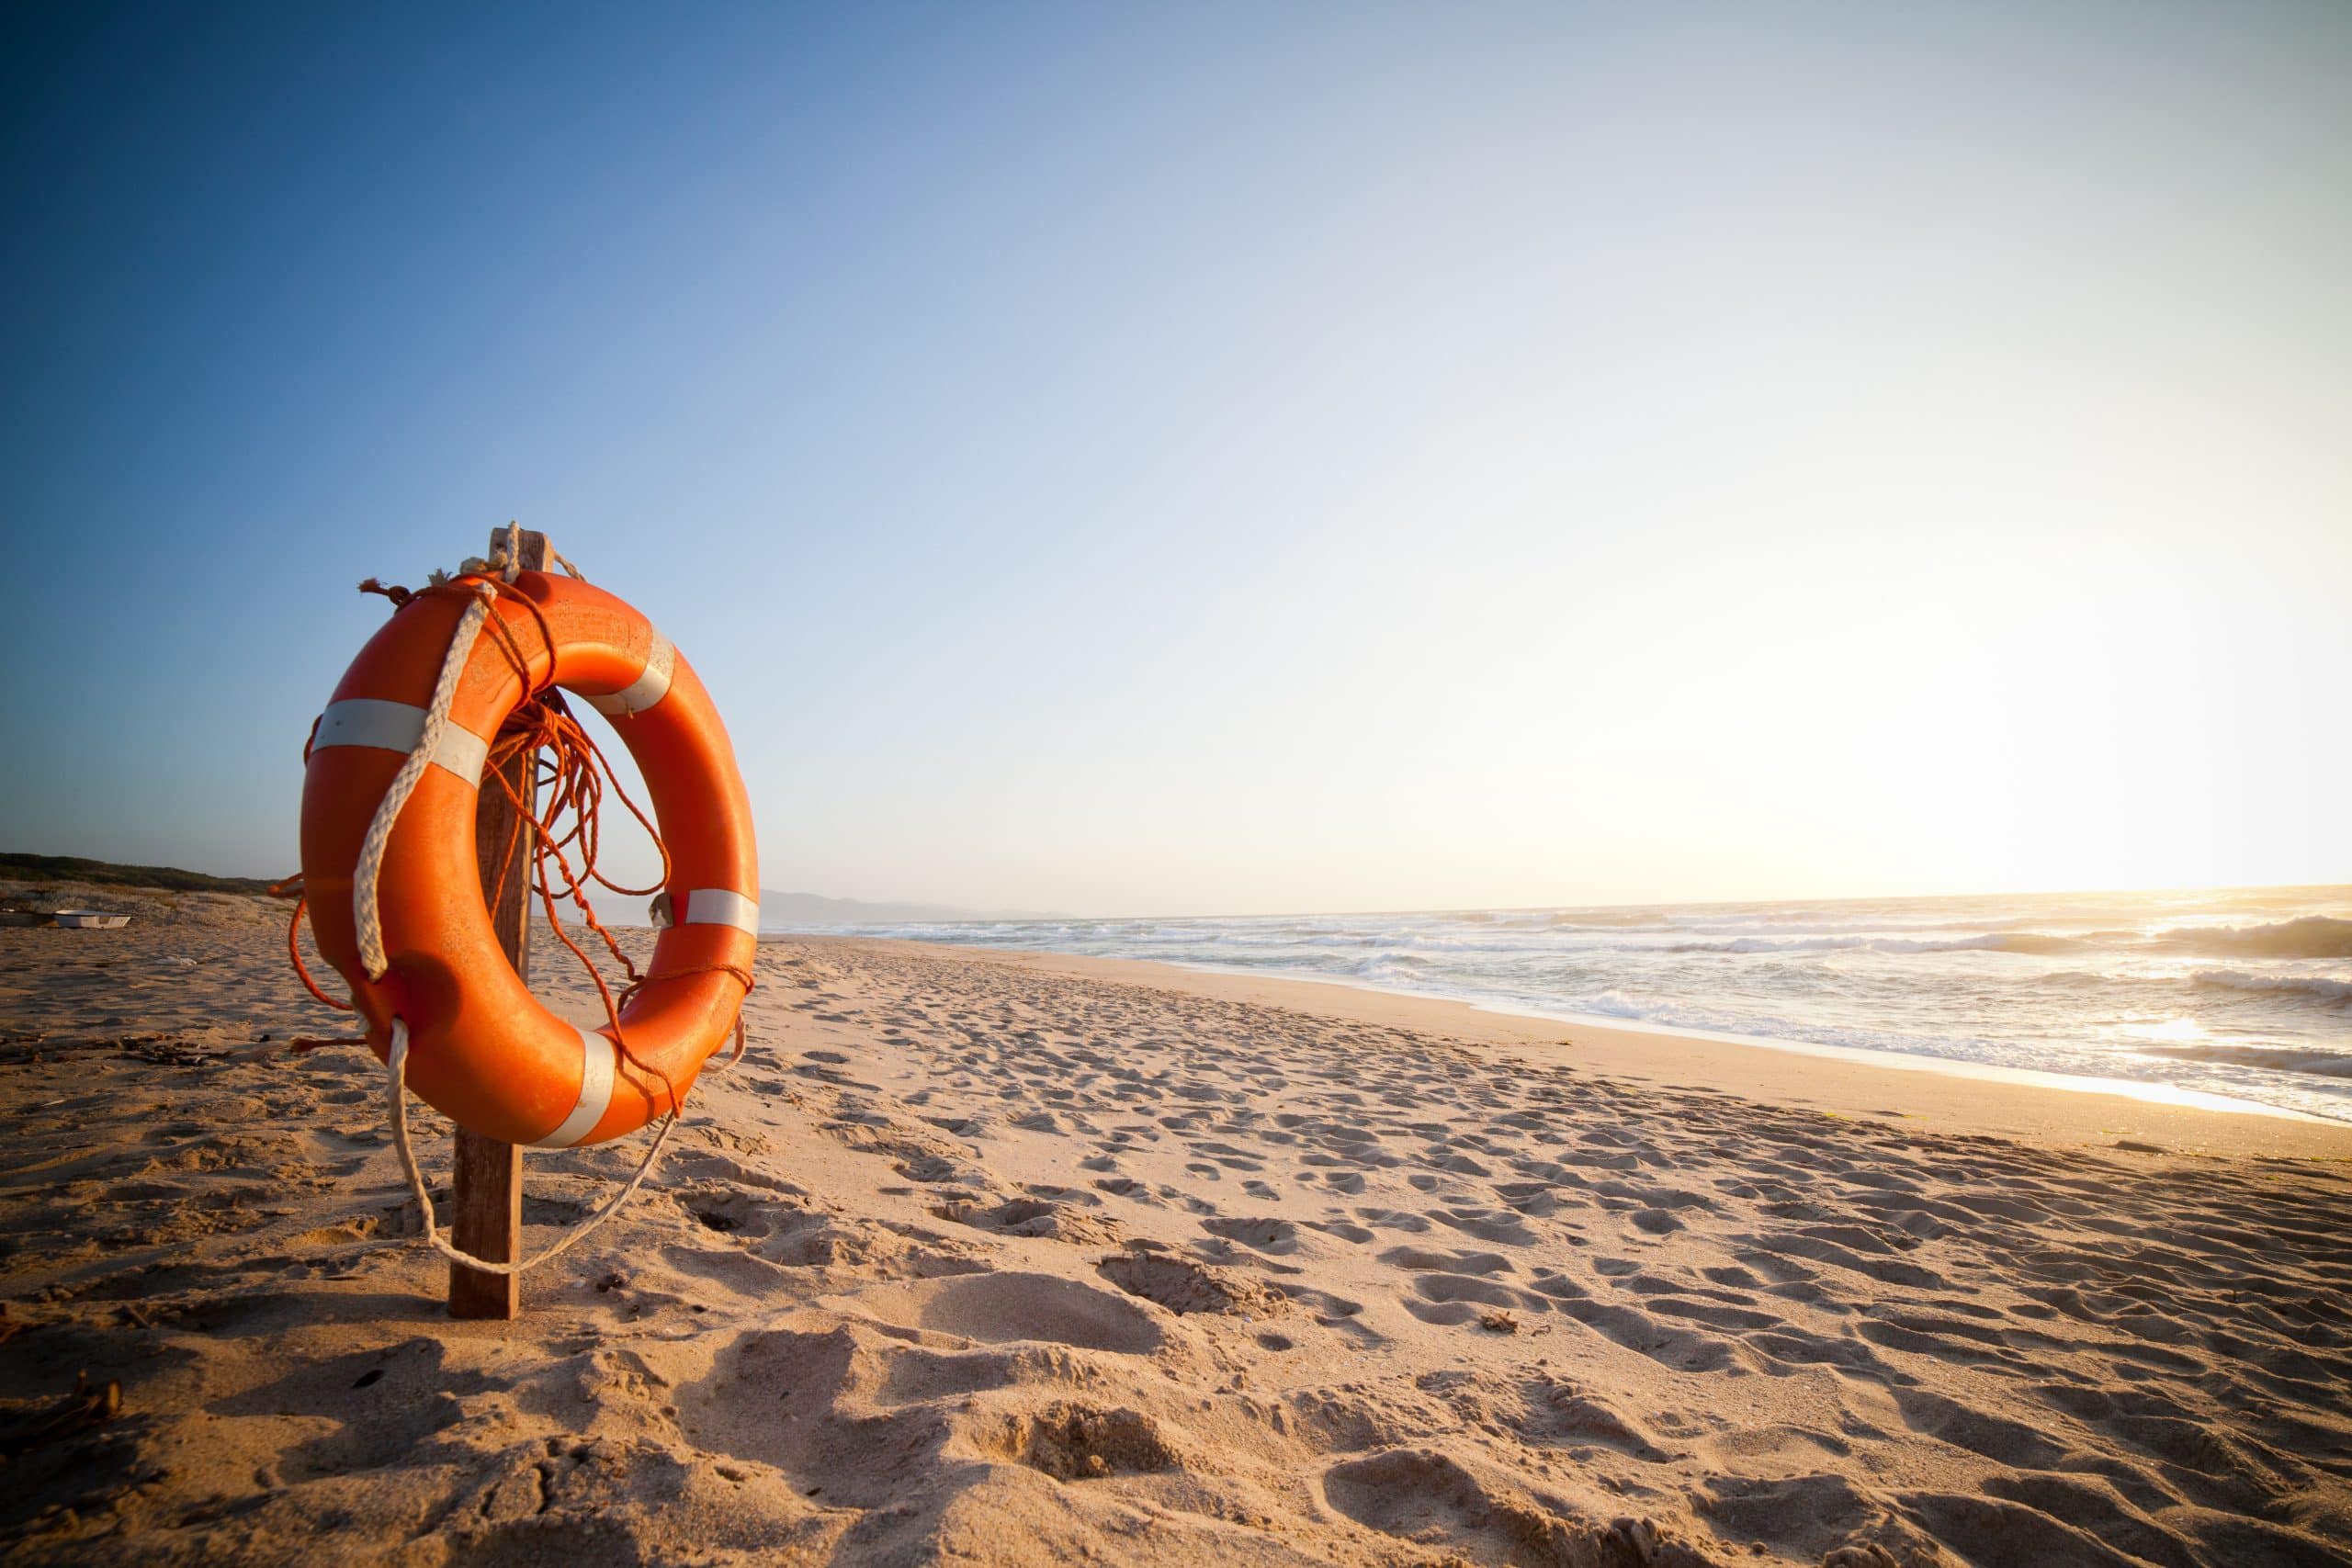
(106, 874)
(812, 911)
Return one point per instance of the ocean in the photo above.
(2244, 993)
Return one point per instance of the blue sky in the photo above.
(1158, 459)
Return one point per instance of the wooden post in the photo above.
(486, 1194)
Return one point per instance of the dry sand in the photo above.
(1007, 1259)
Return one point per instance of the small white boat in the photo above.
(96, 920)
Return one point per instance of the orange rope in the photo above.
(570, 774)
(741, 974)
(286, 889)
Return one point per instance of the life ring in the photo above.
(481, 1049)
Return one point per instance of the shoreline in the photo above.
(1861, 1057)
(1948, 1096)
(2220, 999)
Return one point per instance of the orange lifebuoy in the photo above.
(482, 1050)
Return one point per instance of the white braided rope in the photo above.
(396, 1098)
(370, 869)
(505, 558)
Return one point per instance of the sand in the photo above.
(994, 1259)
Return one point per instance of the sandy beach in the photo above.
(1013, 1258)
(1500, 786)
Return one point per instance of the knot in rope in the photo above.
(395, 592)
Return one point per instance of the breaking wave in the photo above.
(2318, 987)
(1995, 942)
(2314, 936)
(2271, 1058)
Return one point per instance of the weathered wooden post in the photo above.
(486, 1192)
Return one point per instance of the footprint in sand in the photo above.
(1275, 1236)
(1432, 1500)
(1009, 1307)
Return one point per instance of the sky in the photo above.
(1224, 458)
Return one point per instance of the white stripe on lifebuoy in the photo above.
(647, 689)
(598, 1056)
(398, 727)
(719, 907)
